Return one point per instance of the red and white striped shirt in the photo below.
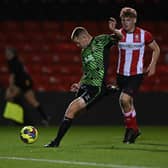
(131, 51)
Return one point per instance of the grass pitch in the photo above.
(85, 147)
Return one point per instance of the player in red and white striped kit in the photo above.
(130, 69)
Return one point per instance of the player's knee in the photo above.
(74, 107)
(33, 102)
(124, 100)
(72, 110)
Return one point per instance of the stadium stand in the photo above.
(40, 30)
(54, 61)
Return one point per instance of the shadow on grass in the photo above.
(149, 147)
(140, 149)
(153, 144)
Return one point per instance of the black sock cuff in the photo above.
(67, 119)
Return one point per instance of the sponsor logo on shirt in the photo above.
(130, 45)
(89, 58)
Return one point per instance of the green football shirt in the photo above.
(95, 59)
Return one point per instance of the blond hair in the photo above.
(128, 12)
(77, 32)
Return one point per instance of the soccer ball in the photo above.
(29, 134)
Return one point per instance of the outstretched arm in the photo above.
(112, 26)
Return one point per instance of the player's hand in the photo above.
(74, 87)
(112, 24)
(151, 69)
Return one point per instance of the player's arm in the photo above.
(75, 87)
(112, 26)
(155, 55)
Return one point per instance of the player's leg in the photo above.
(85, 96)
(74, 107)
(132, 129)
(129, 87)
(32, 100)
(26, 85)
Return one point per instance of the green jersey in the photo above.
(95, 59)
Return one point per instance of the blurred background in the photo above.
(40, 30)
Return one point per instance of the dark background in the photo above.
(151, 110)
(79, 9)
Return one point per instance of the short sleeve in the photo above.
(148, 37)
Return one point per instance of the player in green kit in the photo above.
(92, 86)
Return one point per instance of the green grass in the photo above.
(94, 144)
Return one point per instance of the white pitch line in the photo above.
(94, 164)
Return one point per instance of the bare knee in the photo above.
(74, 107)
(125, 102)
(33, 102)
